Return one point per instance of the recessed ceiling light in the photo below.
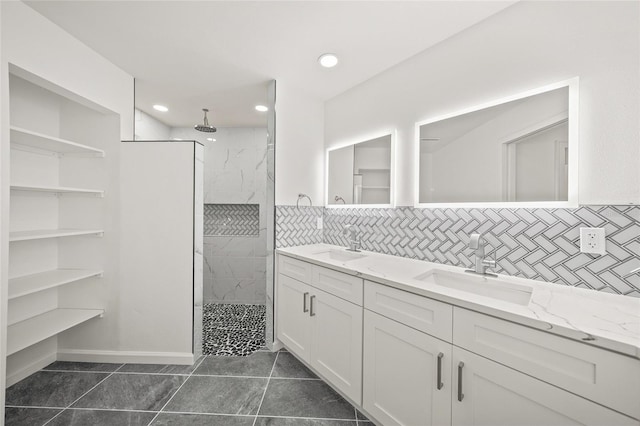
(328, 60)
(261, 108)
(160, 108)
(211, 139)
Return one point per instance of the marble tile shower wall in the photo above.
(236, 173)
(541, 244)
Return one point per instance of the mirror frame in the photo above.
(392, 173)
(572, 199)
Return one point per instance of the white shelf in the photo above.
(364, 169)
(51, 233)
(25, 333)
(58, 190)
(40, 141)
(29, 284)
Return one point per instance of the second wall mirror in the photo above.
(514, 152)
(361, 173)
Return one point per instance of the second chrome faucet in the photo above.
(477, 243)
(352, 233)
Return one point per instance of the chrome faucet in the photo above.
(481, 263)
(354, 237)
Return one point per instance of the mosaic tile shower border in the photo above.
(230, 220)
(540, 244)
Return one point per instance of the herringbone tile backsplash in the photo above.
(541, 244)
(297, 226)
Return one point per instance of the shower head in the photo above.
(205, 127)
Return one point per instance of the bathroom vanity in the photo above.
(416, 343)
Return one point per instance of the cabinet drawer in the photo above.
(607, 378)
(424, 314)
(488, 393)
(294, 268)
(342, 285)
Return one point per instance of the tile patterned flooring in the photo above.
(262, 389)
(233, 329)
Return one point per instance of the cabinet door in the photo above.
(292, 315)
(401, 371)
(336, 351)
(492, 394)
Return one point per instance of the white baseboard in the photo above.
(276, 346)
(29, 369)
(129, 357)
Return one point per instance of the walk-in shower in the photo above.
(238, 228)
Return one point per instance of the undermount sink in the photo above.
(494, 288)
(340, 255)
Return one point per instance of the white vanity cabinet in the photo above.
(321, 328)
(423, 361)
(431, 363)
(488, 393)
(607, 378)
(406, 374)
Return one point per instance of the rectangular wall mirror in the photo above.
(519, 151)
(361, 173)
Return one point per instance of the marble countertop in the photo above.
(600, 319)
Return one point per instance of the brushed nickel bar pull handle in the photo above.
(439, 385)
(304, 302)
(313, 314)
(460, 394)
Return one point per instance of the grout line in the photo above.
(208, 414)
(301, 418)
(83, 395)
(119, 372)
(178, 390)
(266, 388)
(107, 409)
(34, 406)
(186, 374)
(355, 410)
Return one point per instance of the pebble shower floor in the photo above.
(233, 330)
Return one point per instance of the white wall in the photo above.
(528, 45)
(149, 129)
(34, 43)
(299, 146)
(156, 295)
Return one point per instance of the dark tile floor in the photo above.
(262, 389)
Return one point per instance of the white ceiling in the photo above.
(189, 55)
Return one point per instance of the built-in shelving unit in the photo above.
(33, 283)
(41, 234)
(26, 138)
(25, 333)
(58, 190)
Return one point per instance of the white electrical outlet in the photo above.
(319, 222)
(592, 240)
